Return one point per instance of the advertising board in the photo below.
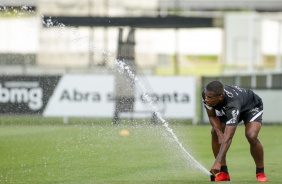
(88, 95)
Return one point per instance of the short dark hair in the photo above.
(216, 87)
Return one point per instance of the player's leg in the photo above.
(256, 148)
(223, 174)
(215, 144)
(253, 122)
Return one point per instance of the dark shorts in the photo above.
(254, 114)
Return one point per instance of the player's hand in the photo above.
(216, 168)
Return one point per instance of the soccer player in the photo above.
(226, 106)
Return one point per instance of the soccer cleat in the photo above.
(261, 177)
(222, 176)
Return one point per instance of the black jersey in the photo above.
(236, 101)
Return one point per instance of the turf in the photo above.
(51, 152)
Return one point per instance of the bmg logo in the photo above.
(22, 92)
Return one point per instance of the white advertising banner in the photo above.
(81, 95)
(174, 96)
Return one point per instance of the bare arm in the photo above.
(227, 139)
(215, 123)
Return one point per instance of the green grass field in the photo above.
(40, 150)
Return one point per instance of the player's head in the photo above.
(214, 93)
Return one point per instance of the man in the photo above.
(226, 106)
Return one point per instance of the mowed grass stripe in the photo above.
(98, 154)
(36, 153)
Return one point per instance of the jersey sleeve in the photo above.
(232, 116)
(233, 112)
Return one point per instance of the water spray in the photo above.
(124, 69)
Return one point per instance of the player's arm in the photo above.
(227, 139)
(231, 125)
(215, 123)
